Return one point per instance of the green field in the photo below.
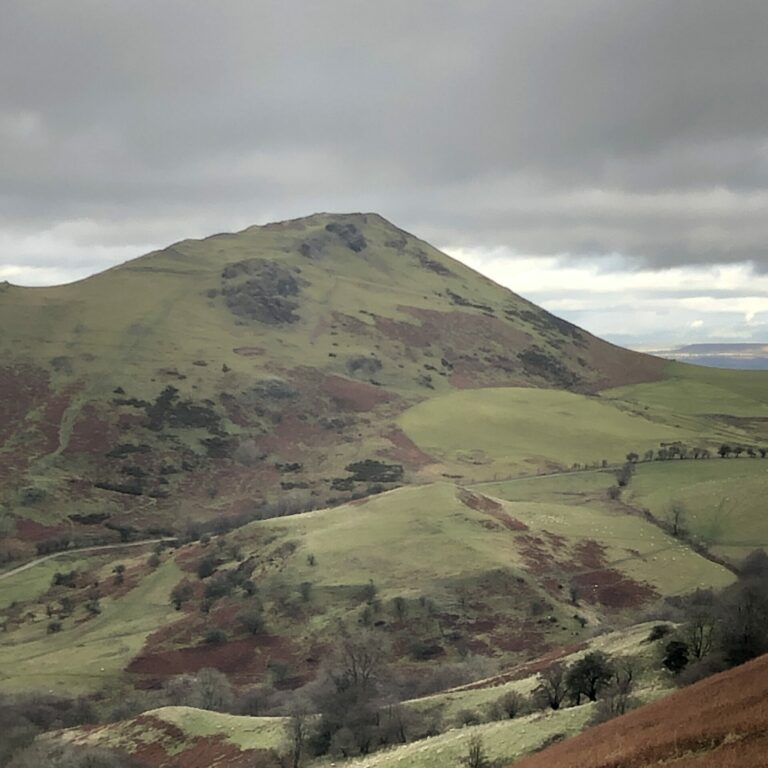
(489, 433)
(407, 539)
(724, 500)
(693, 390)
(30, 584)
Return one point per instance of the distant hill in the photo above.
(210, 377)
(739, 356)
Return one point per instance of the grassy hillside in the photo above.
(183, 737)
(89, 652)
(441, 571)
(510, 431)
(724, 500)
(500, 432)
(690, 390)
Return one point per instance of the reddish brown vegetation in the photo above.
(201, 752)
(349, 395)
(619, 367)
(30, 530)
(23, 388)
(481, 503)
(405, 451)
(721, 722)
(91, 433)
(586, 568)
(245, 661)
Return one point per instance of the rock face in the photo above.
(201, 371)
(264, 295)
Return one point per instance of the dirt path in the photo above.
(97, 548)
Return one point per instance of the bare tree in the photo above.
(297, 729)
(677, 517)
(475, 756)
(359, 658)
(700, 632)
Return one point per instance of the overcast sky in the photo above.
(605, 158)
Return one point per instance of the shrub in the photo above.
(181, 593)
(675, 656)
(206, 567)
(216, 636)
(465, 717)
(658, 632)
(252, 620)
(511, 704)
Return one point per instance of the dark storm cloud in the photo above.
(591, 127)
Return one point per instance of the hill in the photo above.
(442, 572)
(720, 722)
(208, 378)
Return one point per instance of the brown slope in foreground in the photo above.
(721, 722)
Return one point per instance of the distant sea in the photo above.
(751, 356)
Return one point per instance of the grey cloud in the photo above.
(587, 128)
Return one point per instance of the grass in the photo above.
(506, 740)
(631, 544)
(573, 488)
(90, 655)
(29, 585)
(405, 539)
(724, 500)
(488, 433)
(425, 541)
(245, 732)
(693, 390)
